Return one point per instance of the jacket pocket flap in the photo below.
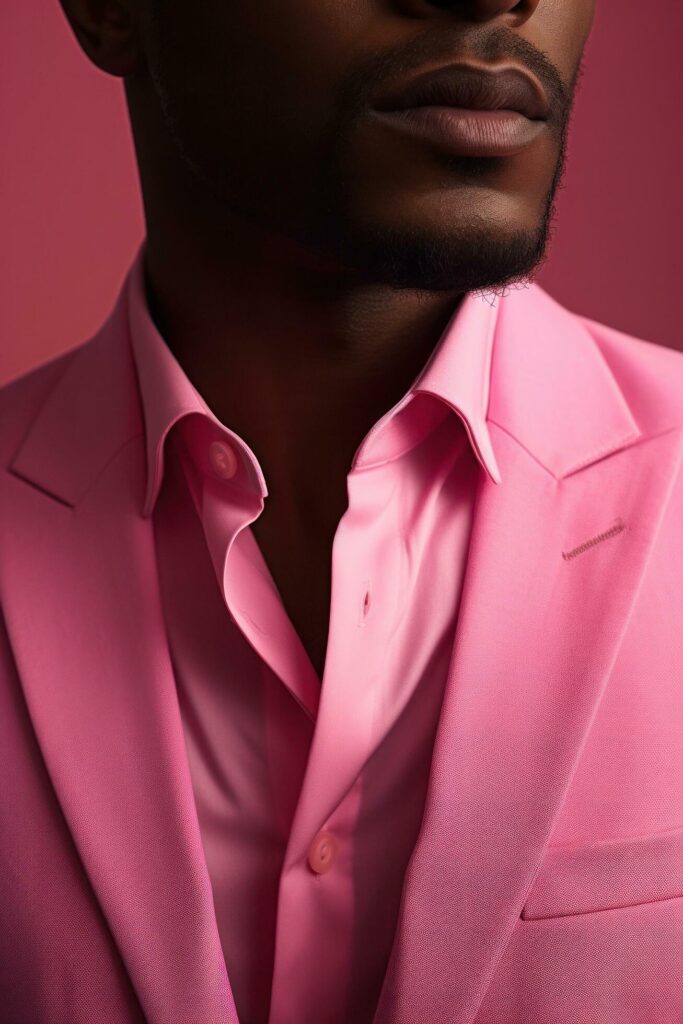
(603, 876)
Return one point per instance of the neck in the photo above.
(293, 357)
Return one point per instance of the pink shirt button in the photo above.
(223, 460)
(322, 852)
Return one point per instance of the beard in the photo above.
(473, 252)
(480, 254)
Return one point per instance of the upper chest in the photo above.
(301, 568)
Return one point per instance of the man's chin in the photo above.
(484, 264)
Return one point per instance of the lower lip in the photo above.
(467, 132)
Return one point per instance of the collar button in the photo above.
(223, 460)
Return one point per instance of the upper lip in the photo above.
(464, 85)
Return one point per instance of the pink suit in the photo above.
(546, 882)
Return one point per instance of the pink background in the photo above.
(71, 215)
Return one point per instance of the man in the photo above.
(342, 585)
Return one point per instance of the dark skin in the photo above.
(303, 261)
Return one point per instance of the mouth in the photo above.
(469, 111)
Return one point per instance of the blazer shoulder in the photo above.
(649, 374)
(22, 397)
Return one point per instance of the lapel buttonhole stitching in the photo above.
(612, 532)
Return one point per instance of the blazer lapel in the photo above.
(83, 611)
(556, 556)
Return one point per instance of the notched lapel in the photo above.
(83, 611)
(537, 637)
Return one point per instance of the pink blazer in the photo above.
(546, 885)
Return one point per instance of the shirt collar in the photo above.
(457, 374)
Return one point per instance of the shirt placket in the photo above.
(316, 913)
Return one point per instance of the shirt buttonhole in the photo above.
(365, 603)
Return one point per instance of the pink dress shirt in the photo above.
(310, 792)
